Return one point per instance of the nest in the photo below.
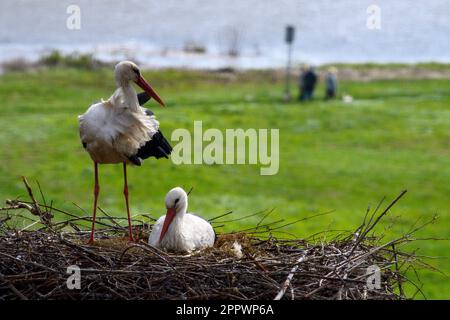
(37, 262)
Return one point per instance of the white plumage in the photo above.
(180, 231)
(115, 129)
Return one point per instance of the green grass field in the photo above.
(333, 156)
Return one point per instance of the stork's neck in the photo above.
(181, 212)
(175, 236)
(182, 209)
(129, 93)
(127, 97)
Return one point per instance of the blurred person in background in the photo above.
(330, 83)
(307, 83)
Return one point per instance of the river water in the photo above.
(157, 33)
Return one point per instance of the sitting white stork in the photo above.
(119, 130)
(180, 231)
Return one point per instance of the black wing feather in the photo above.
(143, 97)
(157, 147)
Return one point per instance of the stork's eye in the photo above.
(176, 200)
(135, 70)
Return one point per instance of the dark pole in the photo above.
(289, 39)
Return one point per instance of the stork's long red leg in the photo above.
(125, 192)
(96, 192)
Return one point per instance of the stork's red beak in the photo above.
(167, 221)
(149, 90)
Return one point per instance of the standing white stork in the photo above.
(178, 230)
(119, 130)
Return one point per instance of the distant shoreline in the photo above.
(346, 71)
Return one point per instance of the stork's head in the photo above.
(126, 71)
(176, 204)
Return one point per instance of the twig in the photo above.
(287, 283)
